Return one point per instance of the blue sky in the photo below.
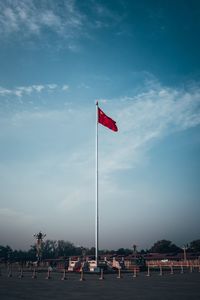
(141, 61)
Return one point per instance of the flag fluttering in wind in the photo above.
(106, 121)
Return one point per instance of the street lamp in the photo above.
(39, 241)
(184, 247)
(134, 248)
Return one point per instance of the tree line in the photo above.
(52, 249)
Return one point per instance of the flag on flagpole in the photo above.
(106, 121)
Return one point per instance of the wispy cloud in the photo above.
(5, 92)
(64, 19)
(32, 18)
(142, 120)
(52, 86)
(146, 118)
(83, 86)
(28, 90)
(65, 87)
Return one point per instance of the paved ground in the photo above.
(174, 287)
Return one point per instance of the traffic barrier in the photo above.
(119, 274)
(172, 271)
(135, 273)
(161, 268)
(34, 275)
(161, 273)
(64, 275)
(101, 277)
(82, 278)
(48, 274)
(21, 275)
(181, 269)
(148, 272)
(10, 272)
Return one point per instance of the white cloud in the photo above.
(83, 86)
(52, 86)
(28, 90)
(104, 17)
(4, 92)
(38, 88)
(65, 20)
(29, 18)
(25, 89)
(49, 19)
(146, 118)
(103, 101)
(17, 93)
(142, 120)
(65, 87)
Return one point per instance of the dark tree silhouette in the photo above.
(164, 246)
(195, 246)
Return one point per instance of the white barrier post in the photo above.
(160, 270)
(172, 271)
(34, 276)
(82, 277)
(48, 274)
(181, 269)
(21, 273)
(9, 271)
(119, 274)
(135, 273)
(64, 275)
(191, 269)
(148, 271)
(101, 277)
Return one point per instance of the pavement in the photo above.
(184, 286)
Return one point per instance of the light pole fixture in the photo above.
(39, 241)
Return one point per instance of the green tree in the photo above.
(31, 253)
(195, 246)
(6, 253)
(164, 246)
(90, 251)
(124, 252)
(65, 248)
(49, 249)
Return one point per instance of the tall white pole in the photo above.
(97, 192)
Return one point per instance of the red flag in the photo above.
(106, 121)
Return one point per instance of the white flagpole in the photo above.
(97, 193)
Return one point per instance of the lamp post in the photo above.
(185, 247)
(83, 252)
(39, 241)
(9, 262)
(134, 249)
